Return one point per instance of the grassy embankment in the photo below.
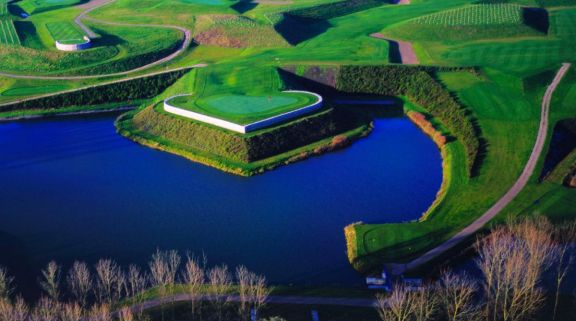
(242, 154)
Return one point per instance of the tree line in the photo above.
(513, 261)
(107, 292)
(124, 91)
(418, 85)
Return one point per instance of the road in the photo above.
(520, 183)
(93, 5)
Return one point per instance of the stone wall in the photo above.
(74, 47)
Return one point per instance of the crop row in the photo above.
(482, 14)
(8, 35)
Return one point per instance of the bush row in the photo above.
(233, 146)
(419, 86)
(139, 88)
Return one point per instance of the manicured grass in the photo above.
(563, 23)
(65, 33)
(38, 6)
(8, 34)
(24, 91)
(4, 8)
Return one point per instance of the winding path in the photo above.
(405, 49)
(520, 183)
(93, 5)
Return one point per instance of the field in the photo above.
(242, 109)
(65, 33)
(475, 15)
(4, 8)
(8, 34)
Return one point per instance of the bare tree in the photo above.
(20, 311)
(457, 295)
(100, 312)
(220, 284)
(107, 275)
(6, 310)
(79, 282)
(46, 310)
(243, 277)
(565, 238)
(125, 314)
(258, 291)
(50, 280)
(193, 277)
(513, 259)
(398, 306)
(426, 303)
(6, 284)
(135, 285)
(160, 275)
(71, 312)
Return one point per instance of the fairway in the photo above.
(8, 35)
(243, 109)
(65, 33)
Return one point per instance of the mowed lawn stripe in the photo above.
(8, 34)
(65, 32)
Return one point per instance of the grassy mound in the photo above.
(236, 32)
(241, 109)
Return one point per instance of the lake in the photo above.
(71, 188)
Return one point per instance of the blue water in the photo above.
(72, 188)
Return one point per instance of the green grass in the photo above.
(242, 109)
(563, 24)
(27, 91)
(4, 8)
(483, 14)
(8, 34)
(39, 6)
(65, 33)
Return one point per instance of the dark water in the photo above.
(73, 189)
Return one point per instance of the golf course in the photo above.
(235, 97)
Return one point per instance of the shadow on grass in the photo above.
(296, 29)
(536, 18)
(244, 6)
(28, 35)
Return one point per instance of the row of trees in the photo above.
(107, 292)
(513, 261)
(419, 85)
(124, 91)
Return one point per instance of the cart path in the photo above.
(398, 269)
(405, 49)
(93, 5)
(273, 299)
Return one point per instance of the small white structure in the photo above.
(248, 127)
(74, 47)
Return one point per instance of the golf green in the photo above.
(243, 109)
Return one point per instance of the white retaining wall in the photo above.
(249, 127)
(74, 47)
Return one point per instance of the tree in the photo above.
(193, 277)
(398, 306)
(71, 312)
(243, 277)
(50, 281)
(565, 238)
(457, 295)
(513, 259)
(100, 312)
(107, 279)
(220, 283)
(136, 284)
(79, 282)
(125, 314)
(6, 284)
(160, 274)
(258, 291)
(46, 310)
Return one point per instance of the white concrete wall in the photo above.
(249, 127)
(75, 47)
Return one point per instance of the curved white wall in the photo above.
(249, 127)
(75, 47)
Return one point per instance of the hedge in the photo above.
(419, 86)
(138, 88)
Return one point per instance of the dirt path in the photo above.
(405, 49)
(398, 269)
(95, 4)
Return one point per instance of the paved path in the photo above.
(405, 48)
(274, 299)
(508, 197)
(95, 4)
